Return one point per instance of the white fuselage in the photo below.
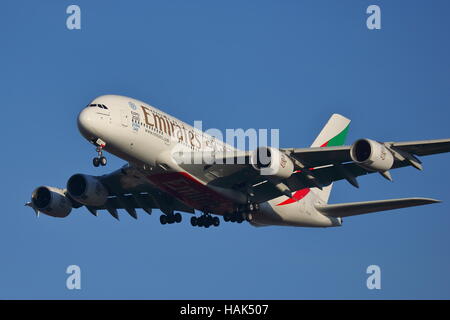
(147, 138)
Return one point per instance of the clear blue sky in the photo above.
(232, 64)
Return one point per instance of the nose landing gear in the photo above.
(100, 159)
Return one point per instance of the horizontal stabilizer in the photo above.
(356, 208)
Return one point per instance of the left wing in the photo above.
(314, 157)
(314, 167)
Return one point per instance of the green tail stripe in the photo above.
(338, 140)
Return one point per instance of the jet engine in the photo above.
(51, 201)
(87, 190)
(272, 162)
(371, 155)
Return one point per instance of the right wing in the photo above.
(129, 191)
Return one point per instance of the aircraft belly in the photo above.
(293, 214)
(192, 192)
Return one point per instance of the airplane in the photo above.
(166, 169)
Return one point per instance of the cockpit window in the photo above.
(102, 106)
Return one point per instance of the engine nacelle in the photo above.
(87, 190)
(371, 155)
(51, 201)
(272, 162)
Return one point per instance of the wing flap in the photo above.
(425, 147)
(357, 208)
(319, 156)
(140, 201)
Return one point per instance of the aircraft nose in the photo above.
(86, 123)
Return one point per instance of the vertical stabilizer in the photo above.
(333, 134)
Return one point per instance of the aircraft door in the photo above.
(125, 117)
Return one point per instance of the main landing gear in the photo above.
(234, 217)
(100, 159)
(205, 220)
(170, 218)
(241, 213)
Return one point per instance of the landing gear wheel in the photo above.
(102, 161)
(205, 221)
(226, 217)
(177, 217)
(194, 221)
(163, 219)
(216, 221)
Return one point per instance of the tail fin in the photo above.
(333, 134)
